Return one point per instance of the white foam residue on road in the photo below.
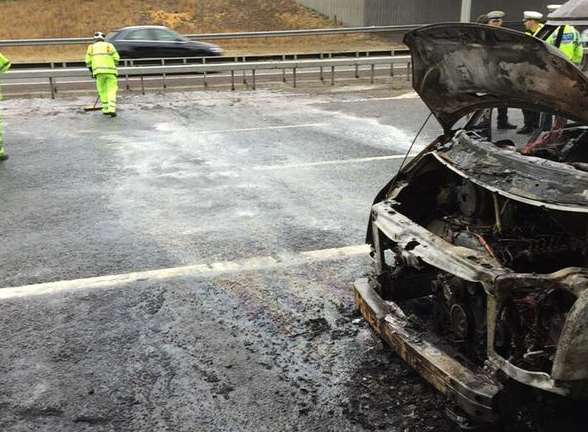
(165, 127)
(369, 132)
(198, 270)
(246, 213)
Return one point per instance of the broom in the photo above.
(93, 108)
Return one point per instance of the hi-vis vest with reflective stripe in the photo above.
(534, 33)
(102, 58)
(571, 44)
(4, 64)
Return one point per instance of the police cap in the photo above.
(532, 15)
(497, 14)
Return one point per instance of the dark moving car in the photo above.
(158, 42)
(480, 246)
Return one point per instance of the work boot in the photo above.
(3, 157)
(506, 125)
(526, 130)
(112, 114)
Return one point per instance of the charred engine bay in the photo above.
(521, 237)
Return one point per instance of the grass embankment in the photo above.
(26, 19)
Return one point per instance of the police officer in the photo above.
(4, 66)
(496, 19)
(102, 60)
(568, 40)
(532, 22)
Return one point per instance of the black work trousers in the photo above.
(531, 118)
(502, 116)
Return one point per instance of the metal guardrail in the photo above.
(222, 59)
(51, 75)
(221, 36)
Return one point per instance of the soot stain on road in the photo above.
(257, 351)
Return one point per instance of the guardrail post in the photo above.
(408, 71)
(205, 74)
(52, 84)
(357, 66)
(332, 75)
(125, 63)
(294, 77)
(52, 87)
(322, 72)
(142, 85)
(163, 75)
(372, 75)
(253, 79)
(392, 53)
(283, 70)
(232, 80)
(244, 74)
(184, 60)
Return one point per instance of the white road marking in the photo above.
(410, 95)
(331, 162)
(404, 96)
(300, 126)
(202, 270)
(330, 254)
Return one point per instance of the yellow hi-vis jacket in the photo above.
(102, 58)
(571, 43)
(534, 33)
(4, 64)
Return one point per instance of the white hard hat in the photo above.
(99, 36)
(553, 7)
(532, 15)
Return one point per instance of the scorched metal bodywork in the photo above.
(480, 250)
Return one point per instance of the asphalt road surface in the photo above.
(188, 266)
